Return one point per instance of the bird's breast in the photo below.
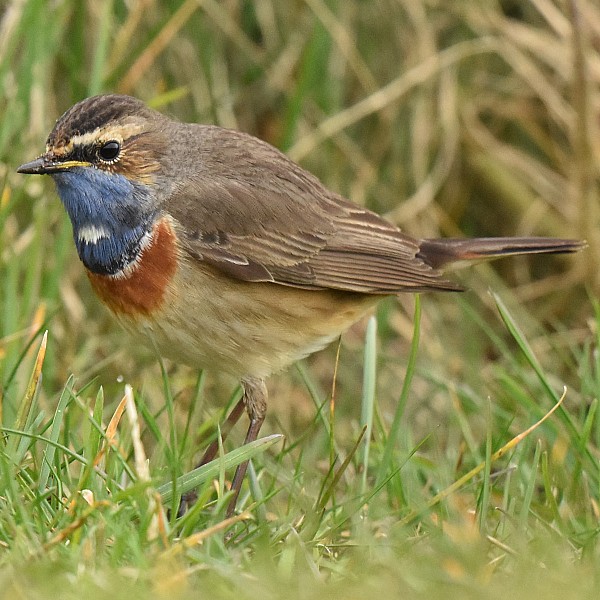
(141, 288)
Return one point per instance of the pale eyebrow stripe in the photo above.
(110, 132)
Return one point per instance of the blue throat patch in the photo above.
(110, 215)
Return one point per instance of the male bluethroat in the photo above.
(222, 252)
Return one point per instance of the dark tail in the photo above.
(441, 252)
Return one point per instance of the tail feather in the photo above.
(440, 252)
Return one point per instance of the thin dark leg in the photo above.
(189, 498)
(255, 398)
(232, 419)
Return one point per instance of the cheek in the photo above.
(139, 160)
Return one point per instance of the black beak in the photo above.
(40, 166)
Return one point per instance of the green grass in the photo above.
(401, 469)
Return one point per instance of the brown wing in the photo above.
(255, 215)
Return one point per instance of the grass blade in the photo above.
(564, 416)
(386, 460)
(57, 421)
(368, 396)
(206, 472)
(414, 514)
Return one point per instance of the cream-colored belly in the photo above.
(210, 321)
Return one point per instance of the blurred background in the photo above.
(462, 118)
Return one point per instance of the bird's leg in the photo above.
(232, 419)
(189, 498)
(255, 399)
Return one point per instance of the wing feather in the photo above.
(255, 215)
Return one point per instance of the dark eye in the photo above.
(109, 150)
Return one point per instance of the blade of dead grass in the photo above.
(28, 398)
(564, 416)
(392, 92)
(459, 483)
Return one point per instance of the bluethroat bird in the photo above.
(222, 252)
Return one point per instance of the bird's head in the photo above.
(104, 154)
